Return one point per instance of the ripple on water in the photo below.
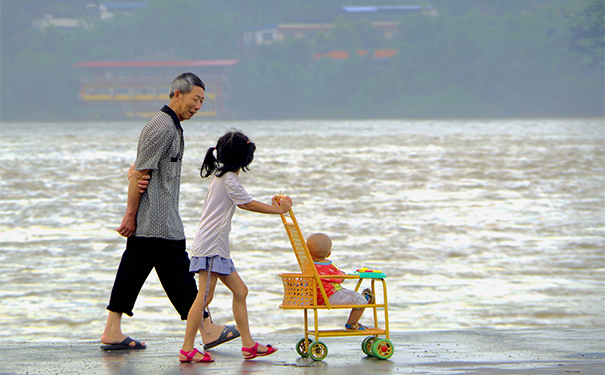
(487, 223)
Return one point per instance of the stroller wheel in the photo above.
(366, 345)
(300, 347)
(383, 349)
(318, 351)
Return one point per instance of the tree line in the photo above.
(502, 58)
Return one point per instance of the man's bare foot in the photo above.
(112, 334)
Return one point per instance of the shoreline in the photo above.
(480, 351)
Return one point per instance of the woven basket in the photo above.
(299, 291)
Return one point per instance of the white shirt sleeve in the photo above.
(235, 190)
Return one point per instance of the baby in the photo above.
(320, 247)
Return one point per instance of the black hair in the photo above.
(234, 151)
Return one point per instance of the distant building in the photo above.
(60, 22)
(378, 55)
(84, 17)
(278, 32)
(427, 11)
(108, 9)
(139, 88)
(271, 33)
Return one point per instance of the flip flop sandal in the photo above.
(254, 351)
(124, 345)
(188, 356)
(223, 338)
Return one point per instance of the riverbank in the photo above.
(486, 351)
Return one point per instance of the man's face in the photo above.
(188, 104)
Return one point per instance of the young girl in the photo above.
(211, 256)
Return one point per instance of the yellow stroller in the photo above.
(300, 292)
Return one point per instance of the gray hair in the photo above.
(184, 83)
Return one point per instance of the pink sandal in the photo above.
(188, 356)
(254, 351)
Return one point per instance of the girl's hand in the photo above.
(143, 181)
(284, 202)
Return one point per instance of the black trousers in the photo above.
(171, 263)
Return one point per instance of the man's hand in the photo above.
(136, 181)
(128, 226)
(143, 182)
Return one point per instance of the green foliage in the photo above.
(588, 33)
(476, 58)
(348, 36)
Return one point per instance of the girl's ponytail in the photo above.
(210, 163)
(234, 152)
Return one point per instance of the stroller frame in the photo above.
(301, 292)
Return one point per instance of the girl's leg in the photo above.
(240, 311)
(194, 318)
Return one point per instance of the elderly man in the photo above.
(152, 225)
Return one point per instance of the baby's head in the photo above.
(319, 245)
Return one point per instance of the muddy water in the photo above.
(481, 223)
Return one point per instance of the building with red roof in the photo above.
(139, 87)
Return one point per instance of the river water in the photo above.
(477, 223)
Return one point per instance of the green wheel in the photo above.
(366, 345)
(318, 351)
(383, 349)
(300, 347)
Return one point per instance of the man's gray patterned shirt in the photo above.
(160, 149)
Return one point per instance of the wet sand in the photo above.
(535, 351)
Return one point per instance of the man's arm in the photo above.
(129, 222)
